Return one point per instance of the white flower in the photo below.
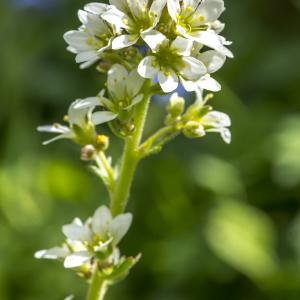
(198, 20)
(219, 122)
(93, 37)
(85, 240)
(81, 127)
(170, 61)
(213, 61)
(136, 17)
(124, 89)
(201, 119)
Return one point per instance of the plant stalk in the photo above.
(130, 158)
(98, 287)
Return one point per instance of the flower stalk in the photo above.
(130, 158)
(98, 287)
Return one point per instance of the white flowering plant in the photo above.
(145, 48)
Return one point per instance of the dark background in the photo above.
(212, 221)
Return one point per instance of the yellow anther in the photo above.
(202, 18)
(189, 9)
(66, 118)
(126, 21)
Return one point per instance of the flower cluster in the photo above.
(198, 119)
(97, 238)
(172, 33)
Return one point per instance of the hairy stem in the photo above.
(98, 287)
(130, 158)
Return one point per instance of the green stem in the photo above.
(108, 169)
(130, 158)
(157, 136)
(98, 287)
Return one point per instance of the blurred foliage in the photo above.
(213, 221)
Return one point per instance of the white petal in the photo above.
(189, 86)
(211, 10)
(134, 83)
(173, 8)
(77, 116)
(116, 17)
(56, 128)
(87, 56)
(88, 103)
(154, 39)
(89, 63)
(193, 68)
(136, 100)
(116, 81)
(124, 41)
(182, 46)
(78, 40)
(69, 135)
(168, 82)
(213, 60)
(77, 259)
(210, 39)
(96, 8)
(156, 9)
(148, 67)
(101, 220)
(119, 227)
(76, 232)
(209, 83)
(226, 135)
(101, 117)
(53, 253)
(216, 119)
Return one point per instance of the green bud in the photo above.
(193, 129)
(176, 106)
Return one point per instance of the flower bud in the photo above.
(88, 153)
(193, 129)
(176, 105)
(102, 142)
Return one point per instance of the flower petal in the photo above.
(101, 220)
(53, 253)
(182, 46)
(216, 119)
(168, 81)
(208, 83)
(101, 117)
(119, 227)
(213, 60)
(77, 259)
(124, 41)
(134, 83)
(116, 81)
(193, 68)
(173, 8)
(154, 39)
(211, 39)
(77, 232)
(147, 67)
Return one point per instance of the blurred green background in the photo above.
(212, 221)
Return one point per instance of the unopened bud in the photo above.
(176, 106)
(193, 129)
(102, 142)
(88, 153)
